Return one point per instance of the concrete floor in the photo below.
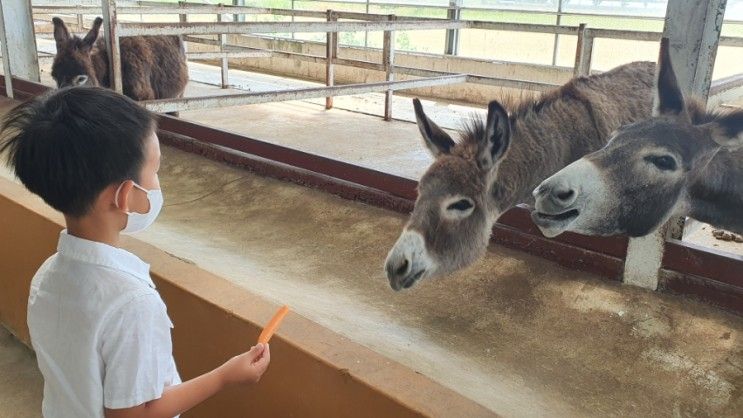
(21, 385)
(516, 333)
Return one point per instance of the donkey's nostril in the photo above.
(565, 195)
(403, 268)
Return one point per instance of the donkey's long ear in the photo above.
(61, 35)
(437, 141)
(727, 130)
(670, 99)
(92, 35)
(497, 138)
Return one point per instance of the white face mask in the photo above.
(139, 221)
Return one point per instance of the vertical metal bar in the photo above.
(583, 51)
(110, 24)
(331, 53)
(366, 33)
(225, 61)
(694, 45)
(20, 40)
(6, 57)
(292, 17)
(452, 35)
(183, 18)
(693, 29)
(388, 59)
(238, 17)
(80, 22)
(558, 21)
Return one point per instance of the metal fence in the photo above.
(625, 15)
(333, 22)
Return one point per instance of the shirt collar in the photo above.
(101, 254)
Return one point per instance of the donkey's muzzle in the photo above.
(554, 197)
(398, 270)
(554, 206)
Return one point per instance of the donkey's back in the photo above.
(153, 67)
(620, 96)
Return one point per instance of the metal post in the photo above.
(110, 23)
(366, 33)
(183, 18)
(20, 42)
(583, 51)
(80, 22)
(556, 45)
(292, 17)
(388, 58)
(238, 17)
(6, 58)
(452, 35)
(693, 28)
(225, 61)
(331, 53)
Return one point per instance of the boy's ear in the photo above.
(122, 194)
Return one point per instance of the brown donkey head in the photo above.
(73, 64)
(450, 225)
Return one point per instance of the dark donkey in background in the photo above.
(153, 67)
(683, 161)
(498, 162)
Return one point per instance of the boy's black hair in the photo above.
(69, 145)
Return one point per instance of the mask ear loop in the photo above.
(116, 196)
(134, 183)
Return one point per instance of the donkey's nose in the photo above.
(397, 267)
(563, 196)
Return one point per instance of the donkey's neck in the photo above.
(715, 195)
(100, 63)
(535, 154)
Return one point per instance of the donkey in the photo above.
(153, 67)
(498, 162)
(682, 161)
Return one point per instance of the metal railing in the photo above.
(331, 25)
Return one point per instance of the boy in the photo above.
(99, 328)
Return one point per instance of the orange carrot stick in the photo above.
(273, 325)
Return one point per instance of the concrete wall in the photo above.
(469, 92)
(314, 372)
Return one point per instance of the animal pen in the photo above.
(667, 264)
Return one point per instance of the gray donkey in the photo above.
(498, 162)
(680, 162)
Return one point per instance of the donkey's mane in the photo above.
(518, 106)
(699, 115)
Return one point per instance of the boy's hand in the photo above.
(247, 367)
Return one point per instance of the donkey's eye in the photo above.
(663, 162)
(460, 205)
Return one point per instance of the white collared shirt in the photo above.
(100, 330)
